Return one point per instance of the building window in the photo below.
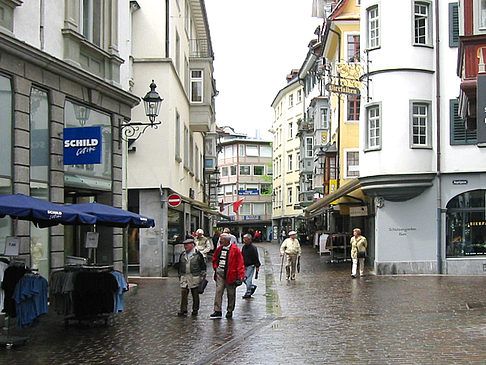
(233, 170)
(459, 135)
(373, 27)
(242, 149)
(224, 171)
(228, 189)
(353, 48)
(323, 119)
(177, 52)
(453, 24)
(39, 136)
(252, 151)
(354, 102)
(258, 208)
(373, 140)
(228, 151)
(186, 147)
(245, 170)
(352, 163)
(92, 24)
(290, 130)
(265, 189)
(465, 222)
(482, 14)
(308, 147)
(420, 125)
(299, 96)
(258, 170)
(269, 169)
(421, 19)
(291, 163)
(291, 100)
(265, 151)
(289, 195)
(178, 137)
(191, 153)
(245, 209)
(196, 86)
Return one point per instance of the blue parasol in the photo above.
(41, 212)
(115, 217)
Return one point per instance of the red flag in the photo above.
(237, 205)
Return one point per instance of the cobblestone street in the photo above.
(322, 317)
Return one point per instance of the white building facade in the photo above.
(173, 158)
(426, 182)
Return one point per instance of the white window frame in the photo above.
(348, 168)
(290, 130)
(299, 96)
(373, 25)
(232, 167)
(250, 150)
(309, 152)
(373, 123)
(290, 161)
(91, 22)
(291, 100)
(289, 195)
(256, 211)
(268, 151)
(427, 18)
(324, 118)
(197, 80)
(178, 136)
(420, 120)
(263, 170)
(223, 169)
(246, 166)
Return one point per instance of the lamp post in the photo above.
(132, 130)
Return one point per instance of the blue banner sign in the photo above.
(82, 146)
(248, 192)
(252, 217)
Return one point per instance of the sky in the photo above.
(256, 44)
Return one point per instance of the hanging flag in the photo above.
(237, 205)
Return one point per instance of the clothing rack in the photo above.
(73, 302)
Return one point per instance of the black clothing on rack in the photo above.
(11, 277)
(93, 293)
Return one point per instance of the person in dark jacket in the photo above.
(252, 263)
(192, 270)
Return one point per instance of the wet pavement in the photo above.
(322, 317)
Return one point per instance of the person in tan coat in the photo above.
(291, 248)
(358, 252)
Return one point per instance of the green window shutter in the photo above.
(453, 25)
(458, 133)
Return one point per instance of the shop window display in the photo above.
(466, 225)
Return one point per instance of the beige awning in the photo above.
(320, 205)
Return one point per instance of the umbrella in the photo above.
(41, 212)
(115, 217)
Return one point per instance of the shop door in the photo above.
(74, 236)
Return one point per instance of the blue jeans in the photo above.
(249, 271)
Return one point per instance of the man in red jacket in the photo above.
(229, 272)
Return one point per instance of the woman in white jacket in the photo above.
(358, 252)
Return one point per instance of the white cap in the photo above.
(199, 231)
(292, 233)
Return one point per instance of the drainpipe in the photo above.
(338, 155)
(438, 156)
(167, 18)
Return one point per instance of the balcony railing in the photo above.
(200, 48)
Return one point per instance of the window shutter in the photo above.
(459, 134)
(453, 25)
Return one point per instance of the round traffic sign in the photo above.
(174, 200)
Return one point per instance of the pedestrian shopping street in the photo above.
(323, 317)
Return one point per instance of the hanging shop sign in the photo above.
(82, 146)
(358, 211)
(347, 81)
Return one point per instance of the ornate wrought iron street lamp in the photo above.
(132, 130)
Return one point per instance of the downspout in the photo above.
(167, 18)
(338, 142)
(438, 156)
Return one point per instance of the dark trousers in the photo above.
(185, 296)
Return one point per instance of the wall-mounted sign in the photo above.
(348, 80)
(459, 182)
(82, 146)
(12, 246)
(248, 192)
(91, 240)
(252, 217)
(358, 211)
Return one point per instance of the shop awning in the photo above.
(320, 205)
(199, 205)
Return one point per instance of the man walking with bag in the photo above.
(252, 263)
(229, 273)
(291, 248)
(192, 270)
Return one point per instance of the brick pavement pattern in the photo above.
(322, 317)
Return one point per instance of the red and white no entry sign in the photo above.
(174, 200)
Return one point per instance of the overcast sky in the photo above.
(256, 43)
